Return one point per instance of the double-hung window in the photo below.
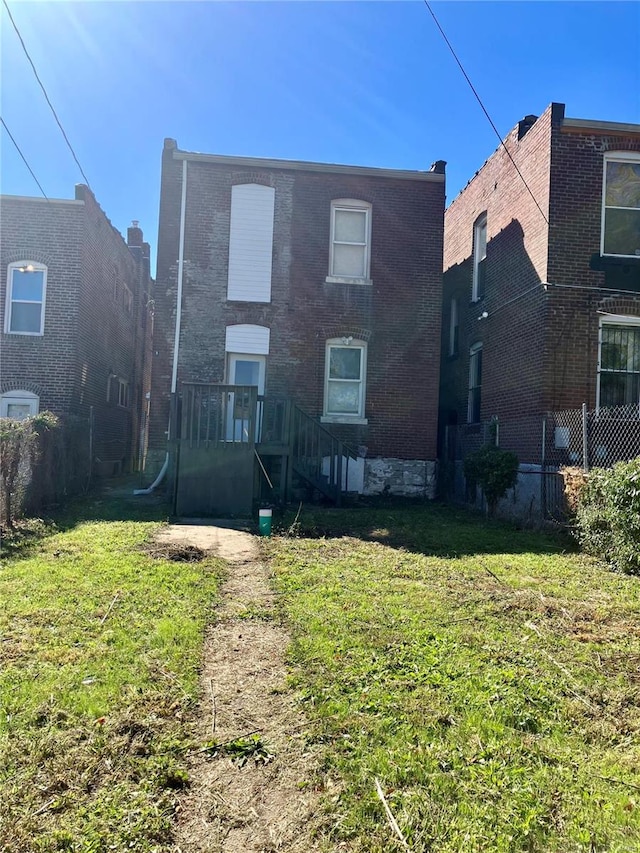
(345, 377)
(621, 205)
(350, 250)
(619, 362)
(474, 404)
(26, 290)
(479, 257)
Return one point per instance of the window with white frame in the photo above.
(345, 378)
(475, 384)
(454, 326)
(479, 257)
(621, 205)
(350, 250)
(26, 290)
(619, 362)
(123, 393)
(19, 405)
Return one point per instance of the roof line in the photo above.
(304, 166)
(613, 126)
(39, 200)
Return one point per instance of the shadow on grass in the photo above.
(110, 500)
(423, 527)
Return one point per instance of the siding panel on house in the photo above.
(248, 339)
(251, 243)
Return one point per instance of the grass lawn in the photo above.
(100, 646)
(488, 677)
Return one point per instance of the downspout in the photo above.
(176, 339)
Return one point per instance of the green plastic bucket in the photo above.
(264, 526)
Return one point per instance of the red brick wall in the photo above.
(399, 315)
(50, 233)
(513, 334)
(573, 319)
(86, 333)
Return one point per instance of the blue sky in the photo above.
(359, 82)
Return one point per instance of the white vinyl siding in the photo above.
(246, 338)
(251, 243)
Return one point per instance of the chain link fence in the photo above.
(544, 444)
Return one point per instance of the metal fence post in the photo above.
(543, 470)
(585, 440)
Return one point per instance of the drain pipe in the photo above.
(176, 339)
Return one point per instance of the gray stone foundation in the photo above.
(409, 477)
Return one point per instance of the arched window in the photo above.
(350, 249)
(345, 380)
(19, 405)
(26, 291)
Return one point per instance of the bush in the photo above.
(608, 519)
(494, 470)
(574, 479)
(43, 459)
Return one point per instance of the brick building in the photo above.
(77, 327)
(541, 291)
(316, 283)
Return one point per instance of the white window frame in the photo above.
(123, 393)
(29, 266)
(350, 204)
(612, 157)
(454, 327)
(479, 225)
(611, 320)
(20, 398)
(344, 417)
(473, 384)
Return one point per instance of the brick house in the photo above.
(541, 291)
(315, 283)
(77, 327)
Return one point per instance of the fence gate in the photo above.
(216, 450)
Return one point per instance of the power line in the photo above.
(4, 124)
(44, 91)
(484, 109)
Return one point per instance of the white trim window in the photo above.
(345, 380)
(619, 362)
(479, 257)
(621, 205)
(474, 404)
(123, 393)
(350, 249)
(26, 291)
(19, 405)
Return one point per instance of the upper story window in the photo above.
(19, 405)
(350, 250)
(251, 243)
(345, 377)
(619, 362)
(454, 326)
(479, 257)
(621, 205)
(26, 290)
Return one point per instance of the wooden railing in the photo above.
(225, 416)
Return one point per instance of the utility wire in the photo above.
(4, 124)
(484, 109)
(44, 91)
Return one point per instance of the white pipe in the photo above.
(176, 339)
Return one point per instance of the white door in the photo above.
(243, 370)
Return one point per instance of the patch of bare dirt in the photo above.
(255, 795)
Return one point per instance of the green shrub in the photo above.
(494, 470)
(608, 519)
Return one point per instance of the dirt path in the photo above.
(263, 804)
